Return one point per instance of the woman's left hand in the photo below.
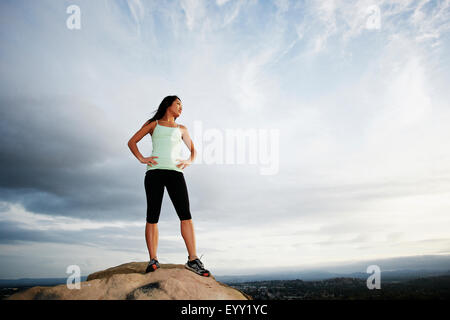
(184, 163)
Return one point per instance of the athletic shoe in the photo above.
(197, 266)
(152, 266)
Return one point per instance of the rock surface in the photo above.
(129, 281)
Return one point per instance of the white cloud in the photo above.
(230, 17)
(282, 5)
(194, 11)
(137, 10)
(221, 2)
(34, 221)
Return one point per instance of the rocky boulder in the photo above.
(129, 281)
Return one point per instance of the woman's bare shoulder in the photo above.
(149, 123)
(149, 126)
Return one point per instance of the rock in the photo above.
(129, 281)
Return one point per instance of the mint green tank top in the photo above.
(167, 143)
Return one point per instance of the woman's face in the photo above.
(176, 108)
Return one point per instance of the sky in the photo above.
(344, 105)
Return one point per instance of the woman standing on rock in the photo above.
(167, 137)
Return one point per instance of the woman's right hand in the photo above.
(149, 160)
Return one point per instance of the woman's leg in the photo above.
(154, 190)
(151, 237)
(178, 193)
(188, 234)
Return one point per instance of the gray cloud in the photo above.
(53, 157)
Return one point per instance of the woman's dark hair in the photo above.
(165, 103)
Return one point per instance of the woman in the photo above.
(167, 172)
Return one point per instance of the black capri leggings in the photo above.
(155, 181)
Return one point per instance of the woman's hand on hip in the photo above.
(149, 161)
(184, 163)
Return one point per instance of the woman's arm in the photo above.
(188, 141)
(132, 143)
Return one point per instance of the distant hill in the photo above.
(396, 275)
